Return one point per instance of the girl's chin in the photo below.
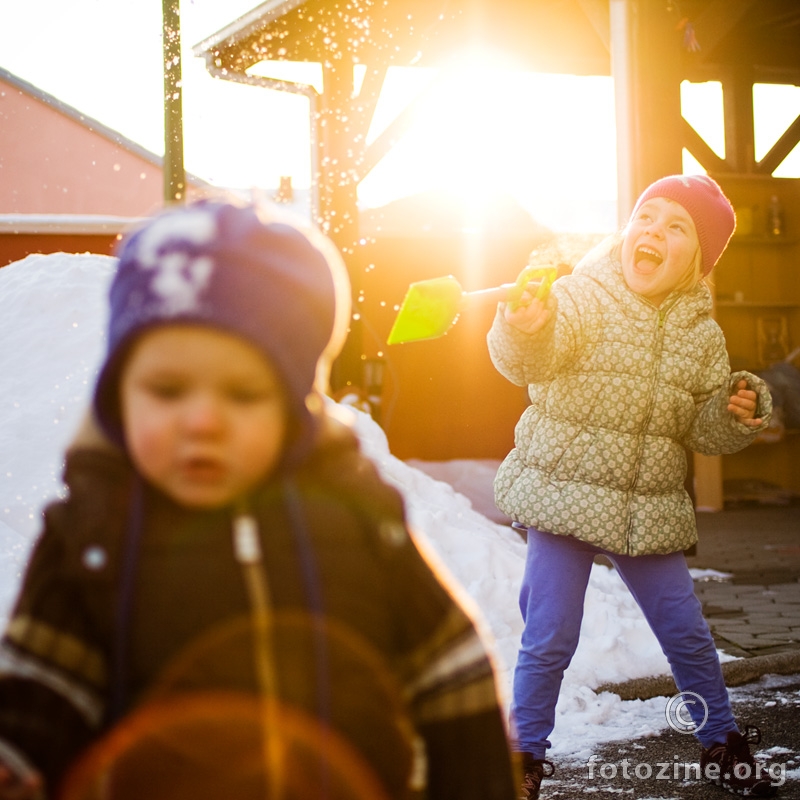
(634, 277)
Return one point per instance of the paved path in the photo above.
(754, 615)
(665, 767)
(756, 611)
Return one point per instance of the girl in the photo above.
(625, 370)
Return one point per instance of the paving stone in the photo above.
(747, 590)
(766, 619)
(760, 606)
(757, 630)
(718, 611)
(722, 589)
(755, 642)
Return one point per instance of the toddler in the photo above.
(228, 603)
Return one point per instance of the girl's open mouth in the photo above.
(647, 259)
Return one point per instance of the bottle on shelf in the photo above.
(775, 216)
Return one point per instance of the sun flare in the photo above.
(483, 128)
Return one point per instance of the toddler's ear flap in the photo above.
(89, 436)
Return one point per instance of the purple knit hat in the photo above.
(711, 211)
(220, 265)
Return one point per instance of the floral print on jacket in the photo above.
(619, 389)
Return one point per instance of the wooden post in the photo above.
(338, 140)
(174, 173)
(645, 64)
(708, 491)
(737, 90)
(622, 71)
(659, 53)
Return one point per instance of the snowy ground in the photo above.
(52, 317)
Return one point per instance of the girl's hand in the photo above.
(743, 405)
(530, 315)
(13, 787)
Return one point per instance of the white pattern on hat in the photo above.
(180, 277)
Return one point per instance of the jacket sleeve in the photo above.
(714, 430)
(449, 677)
(52, 670)
(524, 358)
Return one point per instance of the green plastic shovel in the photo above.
(430, 308)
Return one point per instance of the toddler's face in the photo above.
(659, 245)
(203, 412)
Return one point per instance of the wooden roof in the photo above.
(569, 36)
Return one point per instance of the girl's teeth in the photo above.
(645, 254)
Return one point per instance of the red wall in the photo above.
(14, 247)
(51, 163)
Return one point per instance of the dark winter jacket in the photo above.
(340, 636)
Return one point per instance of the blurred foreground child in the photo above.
(228, 603)
(625, 369)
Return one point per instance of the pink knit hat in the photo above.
(711, 211)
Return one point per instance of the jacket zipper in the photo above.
(657, 349)
(247, 551)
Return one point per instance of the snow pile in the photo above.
(52, 315)
(52, 321)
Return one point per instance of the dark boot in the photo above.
(731, 766)
(533, 769)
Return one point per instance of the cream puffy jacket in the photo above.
(618, 389)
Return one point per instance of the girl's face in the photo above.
(658, 249)
(203, 412)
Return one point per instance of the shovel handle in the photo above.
(512, 292)
(497, 294)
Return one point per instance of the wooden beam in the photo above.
(597, 12)
(699, 148)
(367, 101)
(386, 140)
(397, 128)
(778, 152)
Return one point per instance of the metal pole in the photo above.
(174, 173)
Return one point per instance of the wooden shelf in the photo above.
(765, 239)
(788, 432)
(748, 304)
(764, 271)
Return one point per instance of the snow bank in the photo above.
(52, 320)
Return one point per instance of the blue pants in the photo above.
(551, 599)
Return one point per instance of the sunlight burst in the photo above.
(483, 128)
